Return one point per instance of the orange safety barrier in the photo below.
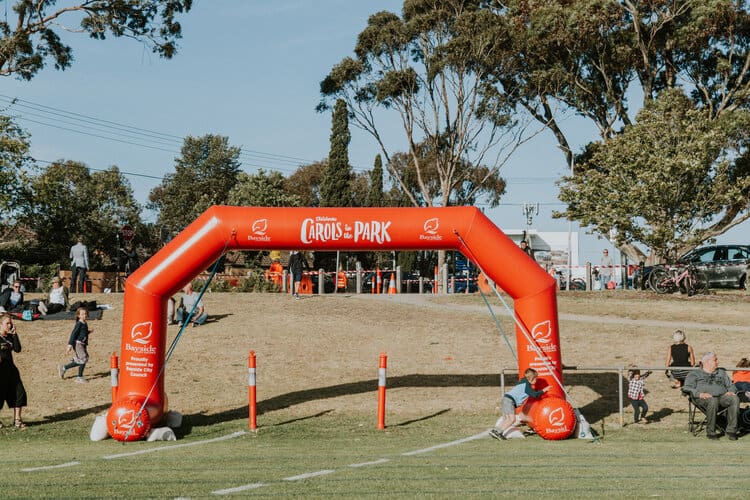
(306, 285)
(113, 375)
(223, 228)
(392, 285)
(379, 281)
(381, 390)
(251, 396)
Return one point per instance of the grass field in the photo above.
(317, 436)
(327, 456)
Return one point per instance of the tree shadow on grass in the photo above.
(604, 384)
(73, 415)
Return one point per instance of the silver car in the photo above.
(725, 265)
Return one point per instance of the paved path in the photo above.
(425, 300)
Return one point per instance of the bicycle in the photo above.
(665, 279)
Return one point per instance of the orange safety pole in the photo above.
(372, 282)
(251, 391)
(381, 390)
(380, 281)
(435, 286)
(114, 375)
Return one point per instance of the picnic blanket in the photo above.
(95, 314)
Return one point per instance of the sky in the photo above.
(249, 70)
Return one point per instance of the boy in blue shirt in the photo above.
(515, 398)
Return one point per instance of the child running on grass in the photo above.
(77, 345)
(637, 383)
(514, 398)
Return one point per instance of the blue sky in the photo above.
(249, 70)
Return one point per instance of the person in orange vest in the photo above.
(341, 280)
(274, 272)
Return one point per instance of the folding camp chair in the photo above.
(697, 418)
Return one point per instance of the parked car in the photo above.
(725, 266)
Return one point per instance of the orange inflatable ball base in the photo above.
(552, 418)
(126, 421)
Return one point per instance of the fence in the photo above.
(621, 374)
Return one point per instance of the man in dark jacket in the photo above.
(711, 388)
(11, 300)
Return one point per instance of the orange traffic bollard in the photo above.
(251, 391)
(114, 375)
(392, 285)
(379, 281)
(381, 390)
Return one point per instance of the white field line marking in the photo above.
(229, 491)
(481, 435)
(175, 446)
(59, 466)
(310, 474)
(374, 462)
(324, 472)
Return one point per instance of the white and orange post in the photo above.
(381, 390)
(114, 375)
(251, 394)
(379, 281)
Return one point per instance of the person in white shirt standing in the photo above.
(79, 264)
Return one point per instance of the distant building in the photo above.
(549, 248)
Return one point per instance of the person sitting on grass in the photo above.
(188, 300)
(711, 389)
(56, 300)
(515, 398)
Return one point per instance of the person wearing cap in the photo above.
(56, 300)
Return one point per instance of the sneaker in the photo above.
(195, 325)
(81, 380)
(712, 436)
(495, 433)
(732, 436)
(61, 371)
(42, 309)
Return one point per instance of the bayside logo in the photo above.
(259, 228)
(141, 332)
(542, 332)
(431, 227)
(556, 417)
(126, 419)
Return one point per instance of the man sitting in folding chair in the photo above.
(710, 388)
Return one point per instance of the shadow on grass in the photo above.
(604, 384)
(73, 415)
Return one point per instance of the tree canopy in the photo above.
(335, 186)
(14, 161)
(30, 35)
(662, 181)
(261, 190)
(423, 66)
(66, 200)
(205, 173)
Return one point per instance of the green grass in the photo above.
(631, 462)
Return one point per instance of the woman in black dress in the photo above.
(679, 354)
(12, 391)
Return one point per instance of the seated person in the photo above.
(11, 300)
(188, 300)
(710, 389)
(741, 380)
(679, 354)
(56, 300)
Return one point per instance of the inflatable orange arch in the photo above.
(222, 228)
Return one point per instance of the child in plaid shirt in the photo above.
(635, 393)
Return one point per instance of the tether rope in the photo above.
(520, 325)
(178, 336)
